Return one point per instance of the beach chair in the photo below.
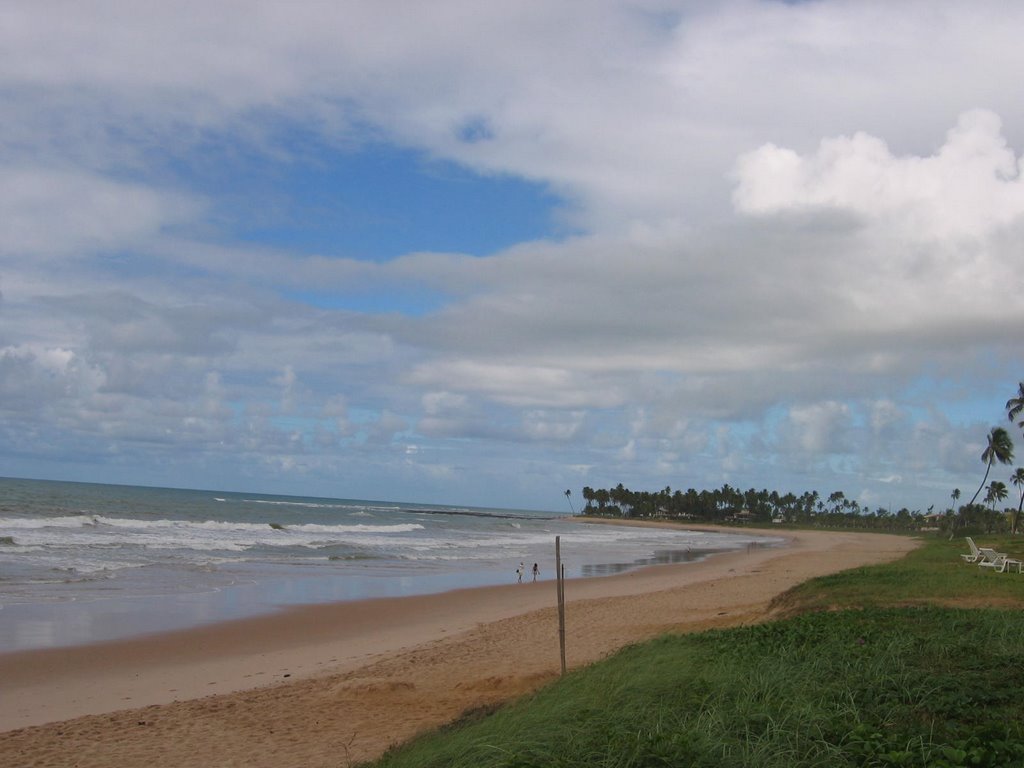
(1010, 562)
(987, 557)
(975, 554)
(1001, 564)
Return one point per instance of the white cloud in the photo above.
(557, 426)
(820, 428)
(970, 187)
(47, 213)
(386, 427)
(886, 417)
(632, 113)
(288, 382)
(335, 413)
(435, 403)
(770, 222)
(34, 377)
(510, 384)
(628, 452)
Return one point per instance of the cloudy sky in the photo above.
(479, 253)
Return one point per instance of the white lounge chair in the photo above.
(1010, 562)
(987, 557)
(975, 554)
(1001, 564)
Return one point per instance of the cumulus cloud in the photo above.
(542, 425)
(781, 235)
(630, 113)
(46, 213)
(32, 377)
(510, 384)
(819, 428)
(968, 188)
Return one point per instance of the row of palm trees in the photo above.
(727, 502)
(754, 506)
(1000, 449)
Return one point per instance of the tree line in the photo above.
(998, 450)
(728, 504)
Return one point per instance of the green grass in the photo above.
(933, 573)
(862, 684)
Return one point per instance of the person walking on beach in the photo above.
(519, 573)
(536, 571)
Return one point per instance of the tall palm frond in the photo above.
(996, 492)
(999, 448)
(1017, 478)
(1015, 405)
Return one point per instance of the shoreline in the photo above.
(166, 597)
(378, 670)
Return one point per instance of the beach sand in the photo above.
(331, 685)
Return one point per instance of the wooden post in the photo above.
(560, 586)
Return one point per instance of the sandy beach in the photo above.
(331, 685)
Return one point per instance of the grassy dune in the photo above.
(915, 663)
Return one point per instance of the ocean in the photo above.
(82, 563)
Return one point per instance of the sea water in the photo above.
(82, 563)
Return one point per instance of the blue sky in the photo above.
(374, 202)
(467, 254)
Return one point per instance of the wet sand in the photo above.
(328, 685)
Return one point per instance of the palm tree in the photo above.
(1015, 405)
(568, 495)
(996, 492)
(951, 515)
(1000, 448)
(1017, 478)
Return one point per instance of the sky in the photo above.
(481, 253)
